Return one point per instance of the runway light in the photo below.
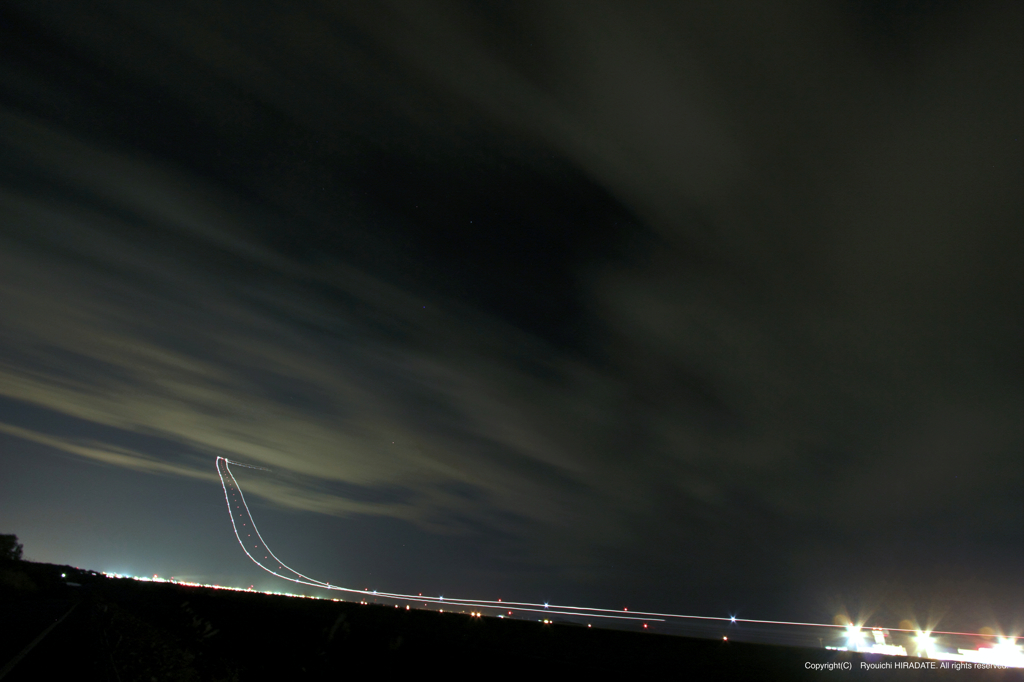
(732, 619)
(854, 636)
(1007, 647)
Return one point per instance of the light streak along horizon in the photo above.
(578, 611)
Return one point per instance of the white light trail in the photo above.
(224, 471)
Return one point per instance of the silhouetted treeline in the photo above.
(10, 548)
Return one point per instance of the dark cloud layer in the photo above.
(719, 303)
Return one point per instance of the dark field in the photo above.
(121, 629)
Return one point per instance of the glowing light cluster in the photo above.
(188, 583)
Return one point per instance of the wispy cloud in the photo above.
(815, 295)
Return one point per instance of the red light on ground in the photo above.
(725, 639)
(645, 626)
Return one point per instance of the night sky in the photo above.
(715, 308)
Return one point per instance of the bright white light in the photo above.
(1008, 644)
(1008, 652)
(854, 636)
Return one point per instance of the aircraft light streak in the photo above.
(232, 489)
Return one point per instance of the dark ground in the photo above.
(121, 629)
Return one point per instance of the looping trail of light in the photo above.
(224, 471)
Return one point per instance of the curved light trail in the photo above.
(255, 547)
(241, 516)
